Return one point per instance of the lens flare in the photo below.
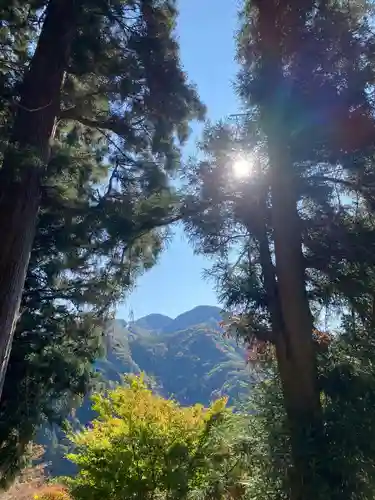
(242, 168)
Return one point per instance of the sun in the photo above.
(242, 168)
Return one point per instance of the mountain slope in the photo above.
(187, 358)
(153, 322)
(209, 315)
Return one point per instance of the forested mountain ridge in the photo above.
(187, 358)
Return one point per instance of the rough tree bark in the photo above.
(295, 349)
(296, 354)
(26, 158)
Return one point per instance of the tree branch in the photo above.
(343, 182)
(113, 124)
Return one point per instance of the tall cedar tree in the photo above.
(25, 159)
(288, 210)
(107, 68)
(75, 277)
(104, 196)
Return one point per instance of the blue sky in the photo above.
(205, 31)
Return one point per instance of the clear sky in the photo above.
(205, 30)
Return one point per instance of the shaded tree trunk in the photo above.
(291, 316)
(291, 386)
(295, 349)
(25, 161)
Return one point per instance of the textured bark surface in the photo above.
(296, 354)
(295, 309)
(294, 344)
(25, 160)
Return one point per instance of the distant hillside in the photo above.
(187, 357)
(208, 315)
(153, 322)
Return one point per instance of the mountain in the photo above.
(208, 315)
(187, 358)
(153, 322)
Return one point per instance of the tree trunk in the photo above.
(296, 354)
(299, 350)
(25, 161)
(286, 368)
(295, 350)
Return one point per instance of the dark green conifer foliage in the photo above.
(306, 69)
(105, 199)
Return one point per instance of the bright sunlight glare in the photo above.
(242, 168)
